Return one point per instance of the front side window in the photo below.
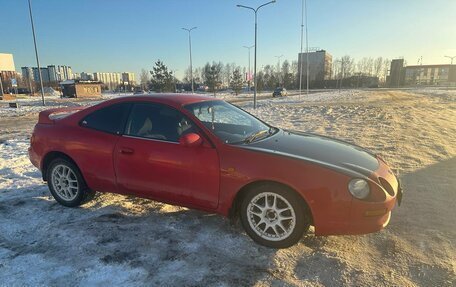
(110, 119)
(156, 121)
(229, 123)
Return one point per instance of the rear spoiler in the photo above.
(49, 116)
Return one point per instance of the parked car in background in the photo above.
(280, 92)
(139, 92)
(207, 154)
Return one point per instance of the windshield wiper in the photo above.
(256, 135)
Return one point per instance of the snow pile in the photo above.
(34, 105)
(50, 92)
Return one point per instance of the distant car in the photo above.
(207, 154)
(139, 92)
(280, 92)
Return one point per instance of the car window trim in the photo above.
(122, 126)
(185, 107)
(149, 139)
(199, 130)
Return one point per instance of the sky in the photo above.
(118, 36)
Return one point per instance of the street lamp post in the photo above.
(248, 73)
(190, 47)
(36, 53)
(307, 51)
(304, 15)
(255, 56)
(451, 57)
(1, 86)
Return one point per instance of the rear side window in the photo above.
(109, 119)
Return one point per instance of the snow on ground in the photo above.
(34, 105)
(129, 241)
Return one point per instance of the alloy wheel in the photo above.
(271, 216)
(65, 182)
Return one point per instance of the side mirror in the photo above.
(191, 140)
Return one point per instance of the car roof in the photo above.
(170, 99)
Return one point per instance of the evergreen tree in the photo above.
(162, 79)
(212, 76)
(287, 76)
(236, 82)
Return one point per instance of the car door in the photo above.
(150, 162)
(92, 145)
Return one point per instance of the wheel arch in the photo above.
(50, 156)
(236, 203)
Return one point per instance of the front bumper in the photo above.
(368, 216)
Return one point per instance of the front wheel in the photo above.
(274, 216)
(66, 183)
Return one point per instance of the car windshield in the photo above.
(229, 123)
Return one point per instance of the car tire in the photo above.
(66, 183)
(274, 216)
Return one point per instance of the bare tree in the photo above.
(347, 66)
(270, 77)
(335, 68)
(287, 75)
(196, 76)
(361, 65)
(365, 66)
(378, 64)
(370, 66)
(187, 77)
(386, 66)
(144, 79)
(294, 72)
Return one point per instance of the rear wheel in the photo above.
(274, 216)
(66, 183)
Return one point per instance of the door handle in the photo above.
(126, 150)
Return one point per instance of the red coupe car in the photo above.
(207, 154)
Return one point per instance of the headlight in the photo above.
(359, 188)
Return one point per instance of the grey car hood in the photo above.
(332, 153)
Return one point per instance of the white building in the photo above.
(50, 73)
(64, 73)
(128, 78)
(110, 80)
(319, 65)
(53, 75)
(86, 76)
(7, 62)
